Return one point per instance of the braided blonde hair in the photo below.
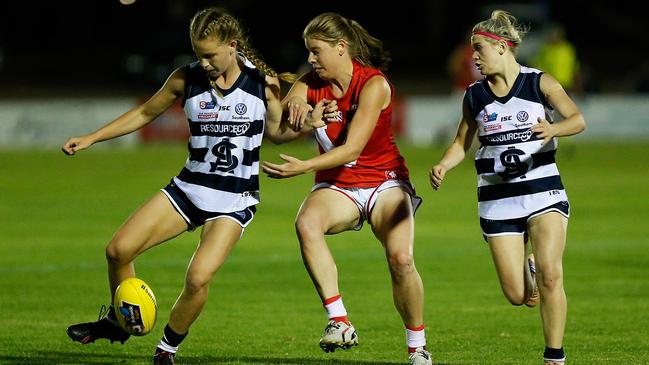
(219, 23)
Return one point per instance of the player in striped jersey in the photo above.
(520, 193)
(231, 100)
(360, 174)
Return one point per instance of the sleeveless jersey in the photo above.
(380, 160)
(516, 174)
(221, 173)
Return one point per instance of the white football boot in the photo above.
(338, 335)
(420, 357)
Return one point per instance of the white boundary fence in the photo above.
(47, 123)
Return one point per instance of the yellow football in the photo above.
(135, 306)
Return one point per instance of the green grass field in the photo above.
(57, 214)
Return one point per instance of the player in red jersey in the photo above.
(360, 174)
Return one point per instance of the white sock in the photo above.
(335, 307)
(416, 337)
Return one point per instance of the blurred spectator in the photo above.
(558, 57)
(461, 66)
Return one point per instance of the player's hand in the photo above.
(436, 175)
(291, 167)
(324, 111)
(75, 144)
(298, 111)
(544, 129)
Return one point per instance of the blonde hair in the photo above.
(332, 27)
(504, 25)
(217, 22)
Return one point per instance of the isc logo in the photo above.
(224, 107)
(506, 118)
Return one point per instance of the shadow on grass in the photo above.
(79, 358)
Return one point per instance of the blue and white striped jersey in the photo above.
(516, 174)
(221, 173)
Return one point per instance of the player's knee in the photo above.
(401, 263)
(307, 226)
(550, 280)
(116, 251)
(197, 283)
(514, 296)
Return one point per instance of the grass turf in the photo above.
(57, 213)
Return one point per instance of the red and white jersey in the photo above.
(380, 160)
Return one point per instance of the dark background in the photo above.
(102, 47)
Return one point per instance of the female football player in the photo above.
(520, 193)
(359, 175)
(231, 99)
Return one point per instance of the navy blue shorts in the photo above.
(492, 227)
(196, 217)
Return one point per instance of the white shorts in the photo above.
(365, 198)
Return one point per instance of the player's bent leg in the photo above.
(154, 222)
(324, 211)
(508, 254)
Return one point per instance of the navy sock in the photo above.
(171, 338)
(111, 313)
(554, 354)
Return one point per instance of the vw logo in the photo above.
(241, 108)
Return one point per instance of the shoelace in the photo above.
(333, 326)
(421, 353)
(103, 312)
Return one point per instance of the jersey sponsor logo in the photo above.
(486, 118)
(240, 108)
(522, 116)
(206, 104)
(506, 118)
(211, 115)
(225, 161)
(235, 129)
(521, 136)
(492, 127)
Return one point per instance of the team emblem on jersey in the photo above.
(225, 161)
(511, 161)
